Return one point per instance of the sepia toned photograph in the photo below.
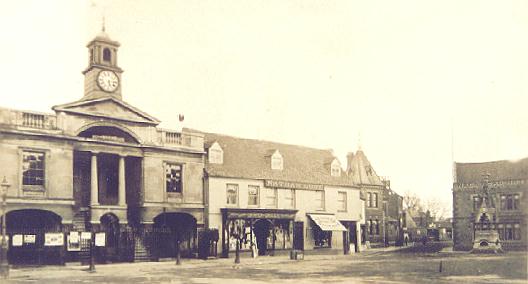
(264, 141)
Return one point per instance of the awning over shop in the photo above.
(327, 222)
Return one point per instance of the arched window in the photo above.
(107, 54)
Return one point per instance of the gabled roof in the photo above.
(498, 171)
(361, 171)
(249, 158)
(108, 107)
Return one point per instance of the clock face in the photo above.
(108, 81)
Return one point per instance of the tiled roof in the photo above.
(361, 171)
(251, 159)
(498, 171)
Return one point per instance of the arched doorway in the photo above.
(262, 229)
(35, 237)
(110, 226)
(169, 228)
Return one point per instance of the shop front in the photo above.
(260, 231)
(326, 231)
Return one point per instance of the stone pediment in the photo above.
(108, 107)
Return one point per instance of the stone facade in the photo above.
(508, 184)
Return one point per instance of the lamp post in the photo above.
(4, 265)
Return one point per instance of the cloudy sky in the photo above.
(404, 75)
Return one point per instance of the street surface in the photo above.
(410, 265)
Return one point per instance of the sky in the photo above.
(417, 83)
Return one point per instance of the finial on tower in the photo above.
(103, 28)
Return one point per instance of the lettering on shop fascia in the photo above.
(292, 185)
(258, 215)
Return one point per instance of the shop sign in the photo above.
(292, 185)
(53, 239)
(29, 239)
(17, 240)
(259, 215)
(100, 239)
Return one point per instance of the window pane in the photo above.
(173, 178)
(253, 195)
(33, 168)
(232, 194)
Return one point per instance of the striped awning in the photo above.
(327, 222)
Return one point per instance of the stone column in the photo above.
(122, 182)
(94, 200)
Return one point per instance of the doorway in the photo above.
(262, 229)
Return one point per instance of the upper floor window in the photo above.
(509, 201)
(271, 197)
(375, 200)
(320, 199)
(216, 154)
(107, 55)
(232, 194)
(173, 178)
(369, 199)
(33, 168)
(277, 162)
(342, 201)
(289, 198)
(253, 195)
(335, 168)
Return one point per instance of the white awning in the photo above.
(327, 222)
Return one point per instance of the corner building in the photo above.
(99, 164)
(508, 190)
(277, 197)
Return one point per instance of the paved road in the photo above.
(372, 267)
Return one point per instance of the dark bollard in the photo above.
(440, 268)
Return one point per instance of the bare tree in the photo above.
(411, 201)
(437, 209)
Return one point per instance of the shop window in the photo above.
(253, 195)
(33, 169)
(377, 227)
(289, 198)
(320, 199)
(509, 201)
(173, 178)
(342, 201)
(271, 197)
(369, 227)
(516, 231)
(322, 239)
(232, 194)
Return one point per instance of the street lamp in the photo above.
(4, 265)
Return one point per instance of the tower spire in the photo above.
(359, 146)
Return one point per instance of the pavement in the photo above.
(376, 265)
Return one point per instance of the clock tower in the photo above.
(102, 77)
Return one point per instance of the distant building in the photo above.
(383, 206)
(277, 197)
(508, 190)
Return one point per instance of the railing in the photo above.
(28, 119)
(185, 139)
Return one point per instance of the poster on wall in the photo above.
(73, 241)
(17, 240)
(100, 239)
(53, 239)
(29, 239)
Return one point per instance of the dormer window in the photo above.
(277, 162)
(335, 168)
(107, 55)
(216, 154)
